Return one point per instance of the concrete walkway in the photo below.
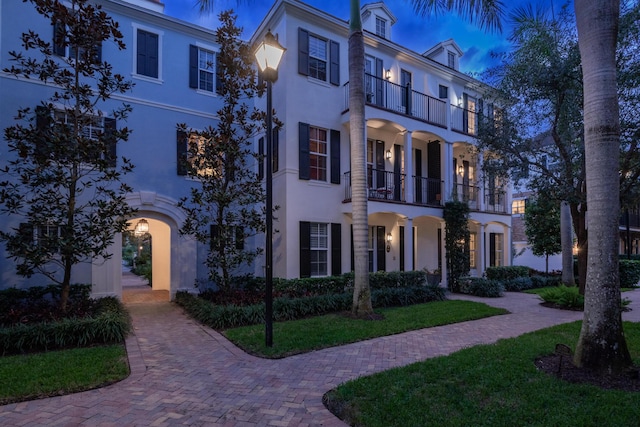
(185, 374)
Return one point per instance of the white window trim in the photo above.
(134, 70)
(325, 249)
(384, 21)
(215, 51)
(326, 60)
(326, 155)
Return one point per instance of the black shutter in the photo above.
(147, 50)
(58, 38)
(193, 66)
(43, 121)
(402, 248)
(381, 242)
(336, 249)
(335, 156)
(305, 249)
(465, 112)
(303, 151)
(303, 51)
(334, 60)
(379, 83)
(275, 141)
(397, 178)
(353, 256)
(111, 153)
(380, 175)
(434, 171)
(418, 173)
(261, 158)
(239, 238)
(181, 145)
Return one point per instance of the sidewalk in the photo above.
(187, 374)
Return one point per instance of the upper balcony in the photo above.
(389, 96)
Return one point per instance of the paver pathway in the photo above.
(187, 374)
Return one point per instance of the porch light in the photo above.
(142, 227)
(460, 170)
(387, 74)
(268, 55)
(388, 154)
(389, 238)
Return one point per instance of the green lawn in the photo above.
(314, 333)
(488, 385)
(32, 376)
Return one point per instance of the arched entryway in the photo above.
(174, 257)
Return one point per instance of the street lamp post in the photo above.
(268, 55)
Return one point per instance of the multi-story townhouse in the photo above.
(160, 57)
(421, 119)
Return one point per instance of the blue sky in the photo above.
(416, 33)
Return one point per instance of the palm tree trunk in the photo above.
(361, 291)
(602, 346)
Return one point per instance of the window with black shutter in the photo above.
(147, 54)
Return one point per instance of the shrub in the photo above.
(629, 273)
(109, 324)
(563, 296)
(518, 284)
(230, 316)
(507, 272)
(481, 287)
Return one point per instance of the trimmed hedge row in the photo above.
(629, 273)
(231, 316)
(481, 287)
(507, 272)
(110, 325)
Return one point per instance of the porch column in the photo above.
(483, 187)
(408, 244)
(408, 168)
(448, 171)
(507, 245)
(480, 250)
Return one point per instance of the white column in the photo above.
(408, 168)
(481, 182)
(507, 246)
(480, 250)
(408, 244)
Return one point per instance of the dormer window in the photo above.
(381, 27)
(451, 59)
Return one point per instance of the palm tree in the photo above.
(602, 346)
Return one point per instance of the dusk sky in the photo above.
(416, 33)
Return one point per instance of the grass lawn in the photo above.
(488, 385)
(314, 333)
(38, 375)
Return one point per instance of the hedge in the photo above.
(507, 272)
(629, 273)
(481, 287)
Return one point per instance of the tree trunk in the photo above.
(602, 346)
(361, 291)
(566, 239)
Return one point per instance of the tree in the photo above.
(601, 346)
(542, 226)
(222, 209)
(64, 180)
(456, 241)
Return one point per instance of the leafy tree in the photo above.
(223, 207)
(456, 242)
(64, 180)
(542, 226)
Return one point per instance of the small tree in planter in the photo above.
(456, 218)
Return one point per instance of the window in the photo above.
(318, 57)
(518, 207)
(206, 67)
(195, 157)
(232, 235)
(443, 92)
(495, 249)
(451, 59)
(319, 249)
(370, 163)
(147, 54)
(381, 27)
(472, 250)
(318, 153)
(62, 48)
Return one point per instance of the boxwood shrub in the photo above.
(517, 284)
(230, 316)
(481, 287)
(629, 273)
(507, 272)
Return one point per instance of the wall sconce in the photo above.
(388, 154)
(460, 170)
(387, 74)
(389, 238)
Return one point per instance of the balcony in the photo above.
(385, 95)
(464, 120)
(386, 186)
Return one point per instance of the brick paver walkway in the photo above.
(187, 374)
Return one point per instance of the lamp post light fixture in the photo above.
(268, 55)
(142, 227)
